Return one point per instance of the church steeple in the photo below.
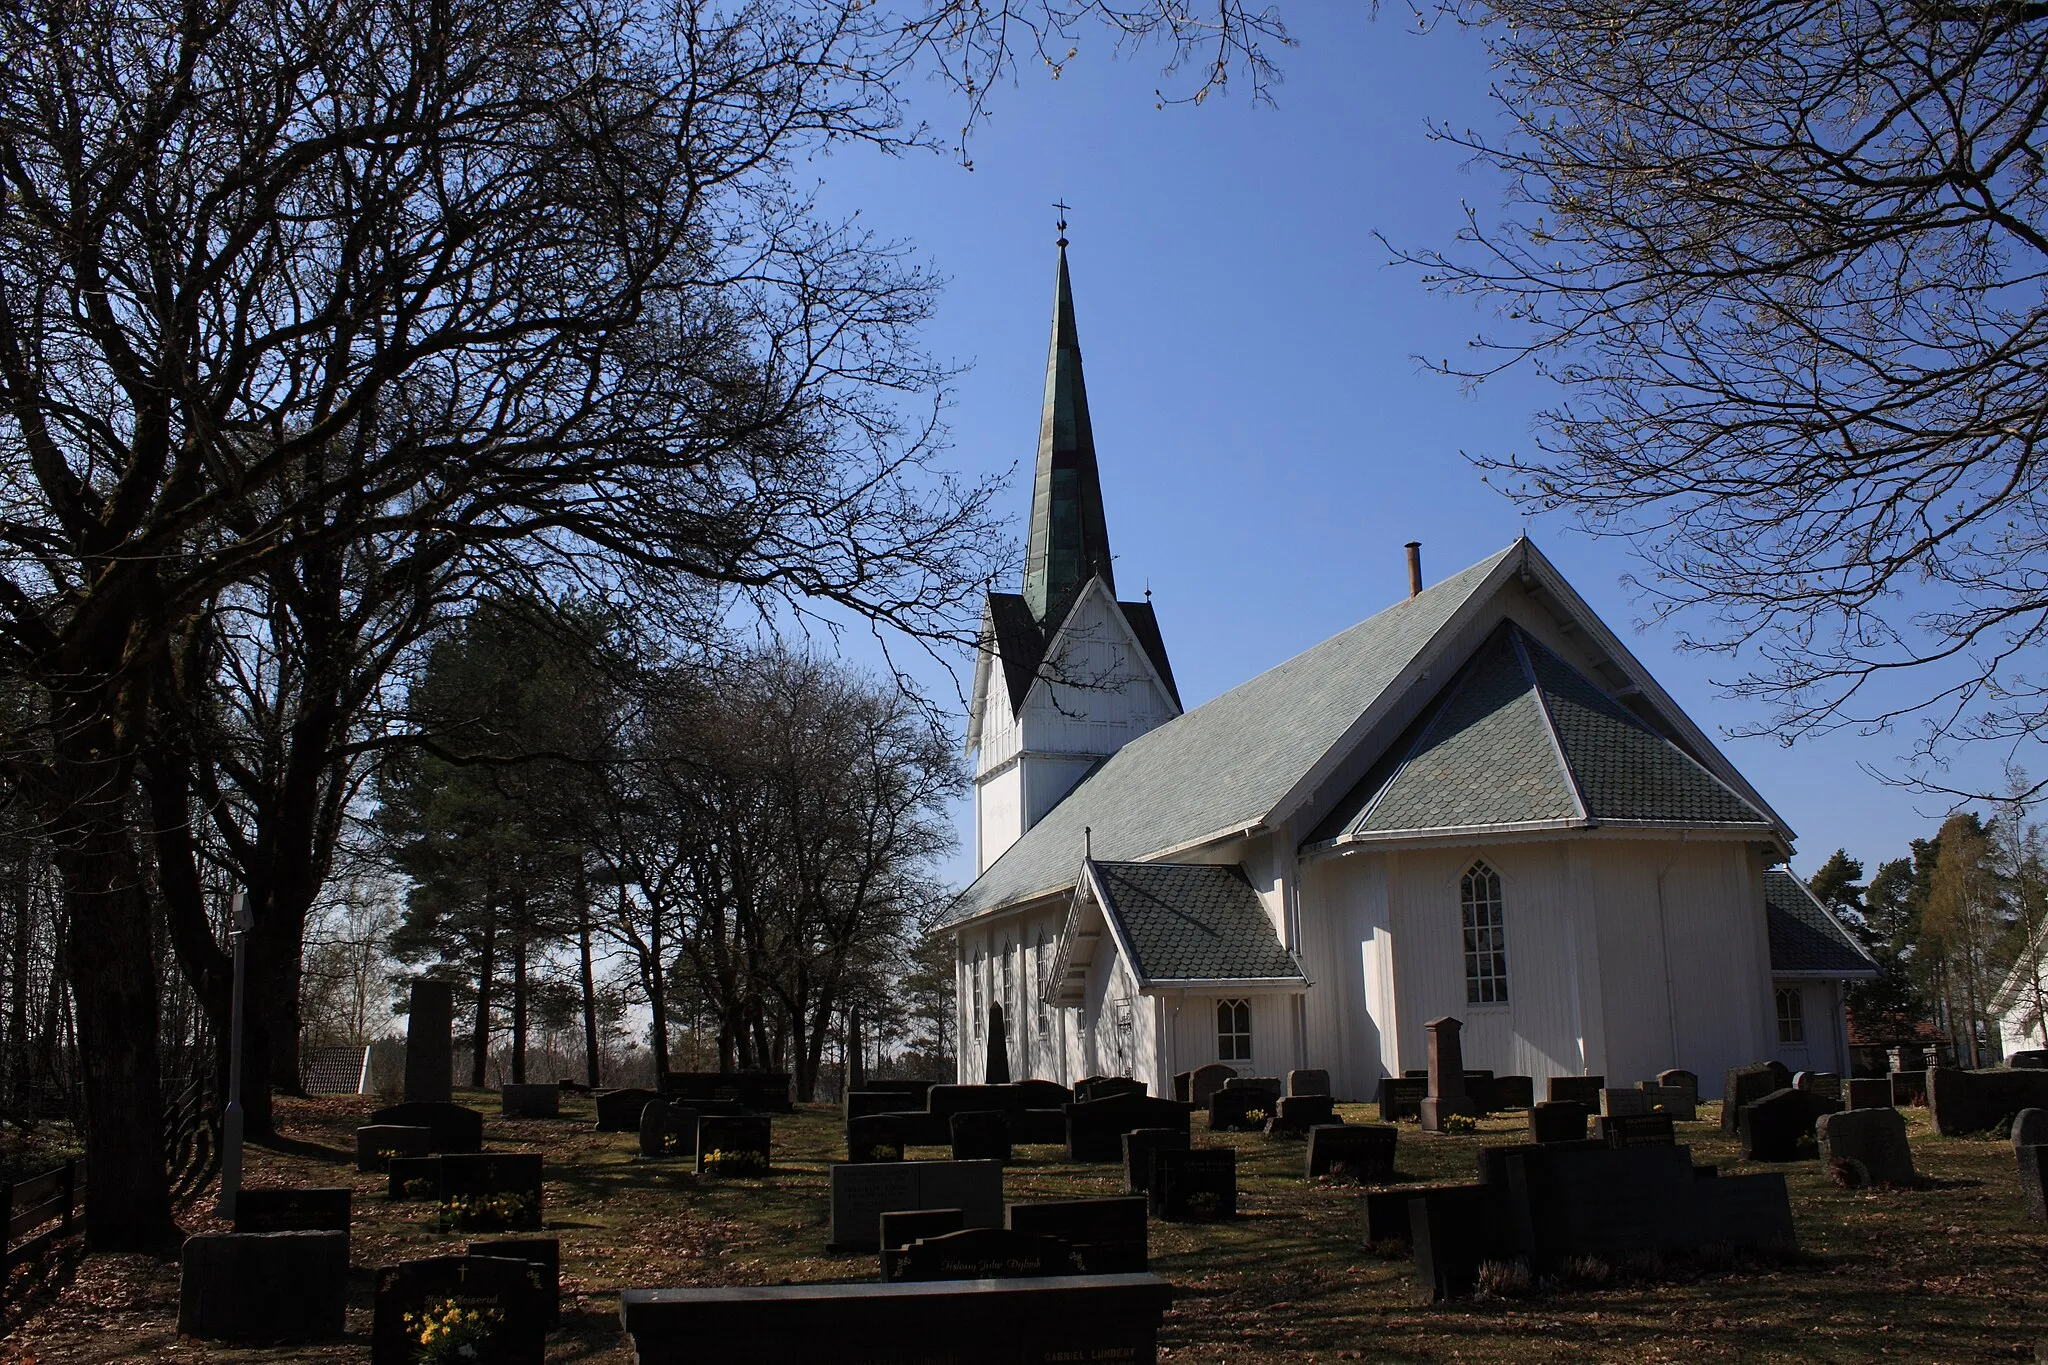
(1069, 539)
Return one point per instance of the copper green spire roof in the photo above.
(1069, 540)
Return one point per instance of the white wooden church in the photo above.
(1474, 803)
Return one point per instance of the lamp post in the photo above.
(231, 1122)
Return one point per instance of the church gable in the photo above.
(1171, 924)
(1520, 739)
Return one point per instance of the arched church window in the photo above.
(1009, 991)
(1233, 1030)
(1044, 971)
(974, 974)
(1486, 942)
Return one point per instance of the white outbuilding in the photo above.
(1475, 803)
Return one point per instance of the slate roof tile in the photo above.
(1804, 936)
(1193, 922)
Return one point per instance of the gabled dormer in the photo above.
(1067, 674)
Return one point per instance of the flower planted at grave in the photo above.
(419, 1189)
(449, 1333)
(1460, 1123)
(487, 1212)
(736, 1162)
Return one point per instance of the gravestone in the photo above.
(491, 1191)
(412, 1177)
(1198, 1185)
(873, 1137)
(1623, 1102)
(1362, 1152)
(294, 1210)
(1963, 1102)
(1869, 1144)
(1583, 1090)
(1299, 1113)
(901, 1227)
(1682, 1080)
(1107, 1236)
(861, 1103)
(2030, 1059)
(948, 1100)
(1909, 1088)
(1139, 1145)
(453, 1127)
(734, 1144)
(668, 1129)
(2029, 1128)
(1240, 1109)
(1635, 1130)
(1011, 1321)
(1038, 1127)
(377, 1143)
(1096, 1128)
(2033, 1169)
(1447, 1094)
(618, 1111)
(530, 1101)
(862, 1193)
(1452, 1231)
(1825, 1084)
(430, 1043)
(1205, 1081)
(544, 1254)
(1107, 1088)
(1498, 1094)
(263, 1286)
(511, 1293)
(1312, 1082)
(1036, 1094)
(981, 1136)
(1869, 1092)
(1557, 1121)
(1675, 1102)
(1780, 1126)
(1746, 1083)
(995, 1067)
(982, 1254)
(1401, 1097)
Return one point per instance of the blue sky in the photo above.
(1267, 439)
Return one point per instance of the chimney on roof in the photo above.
(1414, 567)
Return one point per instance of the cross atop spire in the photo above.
(1069, 539)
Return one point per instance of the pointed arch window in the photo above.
(1486, 943)
(974, 976)
(1044, 970)
(1233, 1030)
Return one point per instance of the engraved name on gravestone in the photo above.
(1108, 1236)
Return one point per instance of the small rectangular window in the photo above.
(1233, 1030)
(1791, 1016)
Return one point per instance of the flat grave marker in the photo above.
(1353, 1151)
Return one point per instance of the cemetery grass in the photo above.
(1950, 1272)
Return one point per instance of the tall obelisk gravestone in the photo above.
(1446, 1075)
(430, 1043)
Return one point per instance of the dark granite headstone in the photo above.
(729, 1144)
(1746, 1083)
(1299, 1113)
(1111, 1319)
(995, 1064)
(378, 1143)
(1035, 1094)
(981, 1136)
(530, 1101)
(295, 1210)
(1139, 1145)
(874, 1137)
(1583, 1090)
(2029, 1128)
(861, 1103)
(1870, 1092)
(1108, 1087)
(491, 1191)
(511, 1292)
(1194, 1186)
(1271, 1085)
(982, 1254)
(1965, 1102)
(1354, 1151)
(862, 1193)
(1400, 1097)
(1868, 1143)
(1675, 1102)
(1205, 1081)
(1557, 1121)
(455, 1127)
(1683, 1080)
(1779, 1127)
(412, 1177)
(1635, 1130)
(668, 1129)
(1453, 1230)
(1614, 1103)
(430, 1043)
(2034, 1180)
(1096, 1128)
(757, 1092)
(618, 1111)
(1501, 1094)
(545, 1253)
(1825, 1084)
(948, 1100)
(1107, 1236)
(1308, 1082)
(1909, 1088)
(901, 1227)
(2030, 1059)
(1240, 1109)
(269, 1286)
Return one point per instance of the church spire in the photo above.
(1069, 539)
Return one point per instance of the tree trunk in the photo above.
(486, 964)
(17, 997)
(589, 983)
(657, 1000)
(519, 999)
